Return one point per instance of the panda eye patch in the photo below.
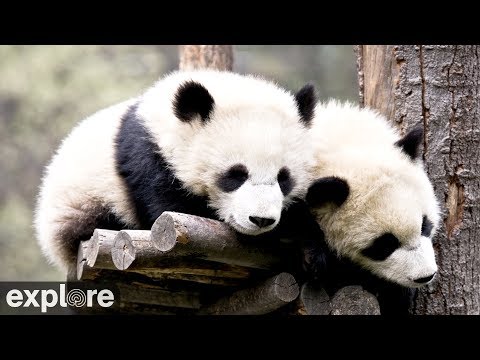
(427, 226)
(285, 181)
(233, 178)
(382, 247)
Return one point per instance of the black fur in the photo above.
(316, 262)
(306, 99)
(327, 190)
(261, 221)
(410, 143)
(424, 279)
(193, 99)
(151, 184)
(98, 216)
(285, 181)
(382, 247)
(233, 178)
(332, 273)
(427, 226)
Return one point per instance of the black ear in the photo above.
(410, 143)
(192, 99)
(327, 190)
(306, 99)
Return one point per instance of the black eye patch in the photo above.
(285, 181)
(233, 178)
(382, 247)
(427, 226)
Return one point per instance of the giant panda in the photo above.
(373, 203)
(209, 143)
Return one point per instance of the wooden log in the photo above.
(81, 261)
(100, 250)
(201, 279)
(180, 235)
(313, 300)
(95, 252)
(126, 308)
(262, 299)
(131, 245)
(353, 300)
(141, 293)
(133, 251)
(198, 267)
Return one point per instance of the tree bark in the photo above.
(218, 57)
(438, 85)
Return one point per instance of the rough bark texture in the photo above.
(262, 299)
(95, 252)
(133, 245)
(183, 235)
(206, 56)
(438, 85)
(313, 301)
(353, 300)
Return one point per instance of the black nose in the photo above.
(261, 222)
(424, 279)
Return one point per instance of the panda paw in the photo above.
(314, 261)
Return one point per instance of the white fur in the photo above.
(388, 191)
(81, 177)
(254, 122)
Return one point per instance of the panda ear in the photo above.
(193, 99)
(306, 99)
(410, 143)
(327, 190)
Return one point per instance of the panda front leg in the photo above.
(311, 252)
(332, 273)
(61, 227)
(395, 300)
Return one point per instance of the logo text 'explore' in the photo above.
(49, 298)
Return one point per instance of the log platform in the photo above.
(192, 265)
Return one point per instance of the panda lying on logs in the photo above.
(208, 143)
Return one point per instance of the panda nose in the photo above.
(261, 222)
(425, 279)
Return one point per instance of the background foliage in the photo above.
(46, 90)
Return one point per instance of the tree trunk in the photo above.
(439, 87)
(218, 57)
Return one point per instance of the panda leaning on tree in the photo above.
(370, 212)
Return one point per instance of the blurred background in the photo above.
(46, 90)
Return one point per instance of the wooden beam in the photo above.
(261, 299)
(353, 300)
(179, 235)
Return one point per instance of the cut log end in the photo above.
(100, 247)
(164, 234)
(314, 300)
(286, 287)
(123, 251)
(353, 300)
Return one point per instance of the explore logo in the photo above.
(58, 298)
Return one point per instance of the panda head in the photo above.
(380, 211)
(245, 149)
